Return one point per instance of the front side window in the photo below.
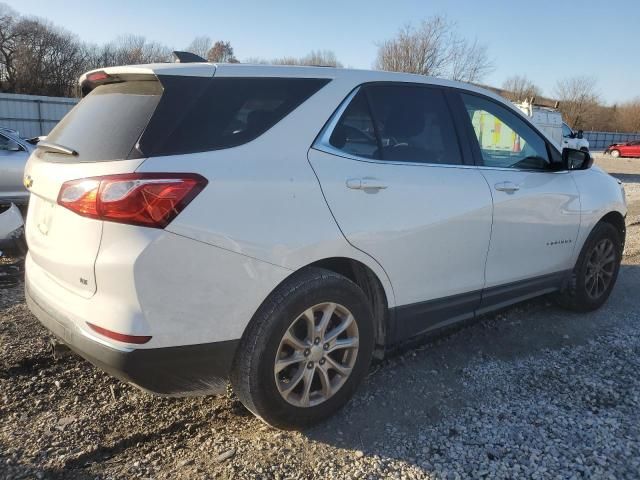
(566, 131)
(505, 140)
(401, 123)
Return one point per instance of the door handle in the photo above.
(508, 187)
(365, 184)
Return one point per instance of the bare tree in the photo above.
(628, 116)
(200, 46)
(434, 48)
(318, 58)
(221, 52)
(9, 39)
(519, 88)
(578, 100)
(256, 61)
(469, 61)
(48, 59)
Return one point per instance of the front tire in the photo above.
(615, 153)
(596, 270)
(306, 350)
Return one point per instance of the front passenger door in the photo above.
(536, 205)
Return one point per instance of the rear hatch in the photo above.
(103, 129)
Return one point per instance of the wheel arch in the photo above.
(363, 276)
(616, 219)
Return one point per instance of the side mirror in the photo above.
(576, 159)
(13, 146)
(580, 133)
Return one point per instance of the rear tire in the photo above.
(309, 388)
(595, 272)
(615, 153)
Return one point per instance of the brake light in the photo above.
(97, 76)
(121, 337)
(146, 199)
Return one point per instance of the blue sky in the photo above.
(544, 40)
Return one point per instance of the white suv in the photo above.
(281, 226)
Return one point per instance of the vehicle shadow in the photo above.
(408, 396)
(626, 177)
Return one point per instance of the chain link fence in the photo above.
(601, 140)
(33, 115)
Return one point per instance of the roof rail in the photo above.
(187, 57)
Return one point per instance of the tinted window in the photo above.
(505, 140)
(199, 114)
(107, 123)
(4, 143)
(414, 124)
(566, 131)
(354, 133)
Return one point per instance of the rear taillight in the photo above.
(146, 199)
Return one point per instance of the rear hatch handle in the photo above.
(56, 148)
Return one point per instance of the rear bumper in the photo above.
(174, 371)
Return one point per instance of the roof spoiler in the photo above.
(187, 57)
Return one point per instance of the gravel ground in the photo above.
(532, 392)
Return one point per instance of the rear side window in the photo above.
(198, 114)
(402, 123)
(107, 123)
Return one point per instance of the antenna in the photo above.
(187, 57)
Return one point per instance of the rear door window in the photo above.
(402, 123)
(354, 134)
(414, 124)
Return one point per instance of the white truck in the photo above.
(549, 121)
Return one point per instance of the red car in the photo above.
(629, 149)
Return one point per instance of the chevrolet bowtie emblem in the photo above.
(27, 181)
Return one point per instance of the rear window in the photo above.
(107, 123)
(177, 115)
(197, 114)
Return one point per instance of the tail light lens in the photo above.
(121, 337)
(146, 199)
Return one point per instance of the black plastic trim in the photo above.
(416, 319)
(171, 371)
(501, 296)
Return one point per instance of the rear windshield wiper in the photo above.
(55, 148)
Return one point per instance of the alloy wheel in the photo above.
(316, 355)
(600, 268)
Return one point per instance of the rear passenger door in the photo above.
(393, 172)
